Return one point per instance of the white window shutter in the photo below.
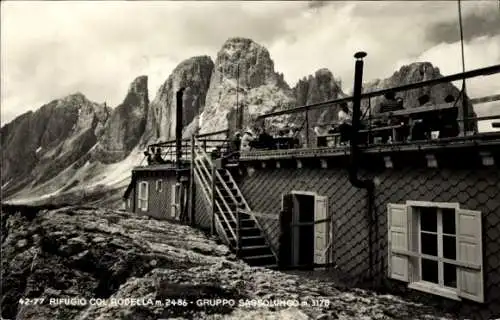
(321, 230)
(398, 264)
(173, 202)
(470, 251)
(140, 196)
(146, 197)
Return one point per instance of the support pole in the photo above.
(213, 199)
(465, 109)
(238, 237)
(307, 129)
(191, 184)
(178, 131)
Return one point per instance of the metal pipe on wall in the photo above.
(354, 154)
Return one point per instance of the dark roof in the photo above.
(160, 167)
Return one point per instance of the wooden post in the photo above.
(307, 128)
(191, 185)
(238, 238)
(213, 199)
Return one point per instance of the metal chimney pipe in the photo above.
(356, 114)
(368, 184)
(178, 127)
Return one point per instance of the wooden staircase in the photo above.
(240, 231)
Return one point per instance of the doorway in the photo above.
(305, 231)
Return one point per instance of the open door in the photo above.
(285, 243)
(175, 201)
(322, 234)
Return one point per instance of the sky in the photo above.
(55, 48)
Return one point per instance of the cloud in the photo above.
(383, 29)
(474, 24)
(52, 49)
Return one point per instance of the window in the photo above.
(142, 197)
(175, 200)
(436, 248)
(159, 185)
(129, 203)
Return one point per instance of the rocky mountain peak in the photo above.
(194, 74)
(253, 60)
(126, 124)
(139, 86)
(321, 86)
(412, 73)
(243, 74)
(48, 139)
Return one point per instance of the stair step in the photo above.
(252, 237)
(268, 266)
(249, 228)
(254, 247)
(264, 256)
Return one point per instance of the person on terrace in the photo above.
(345, 123)
(158, 158)
(246, 140)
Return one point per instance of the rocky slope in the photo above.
(126, 124)
(36, 146)
(73, 148)
(193, 74)
(87, 253)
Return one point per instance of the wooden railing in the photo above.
(201, 160)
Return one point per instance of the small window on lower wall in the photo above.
(143, 196)
(159, 185)
(436, 247)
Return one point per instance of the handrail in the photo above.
(225, 219)
(259, 214)
(205, 191)
(204, 181)
(226, 187)
(219, 224)
(226, 131)
(208, 195)
(220, 194)
(266, 238)
(202, 154)
(485, 99)
(459, 76)
(232, 196)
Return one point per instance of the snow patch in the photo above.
(118, 174)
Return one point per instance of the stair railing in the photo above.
(200, 156)
(207, 191)
(218, 191)
(224, 203)
(248, 209)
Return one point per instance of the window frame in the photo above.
(159, 185)
(404, 253)
(143, 201)
(417, 282)
(175, 200)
